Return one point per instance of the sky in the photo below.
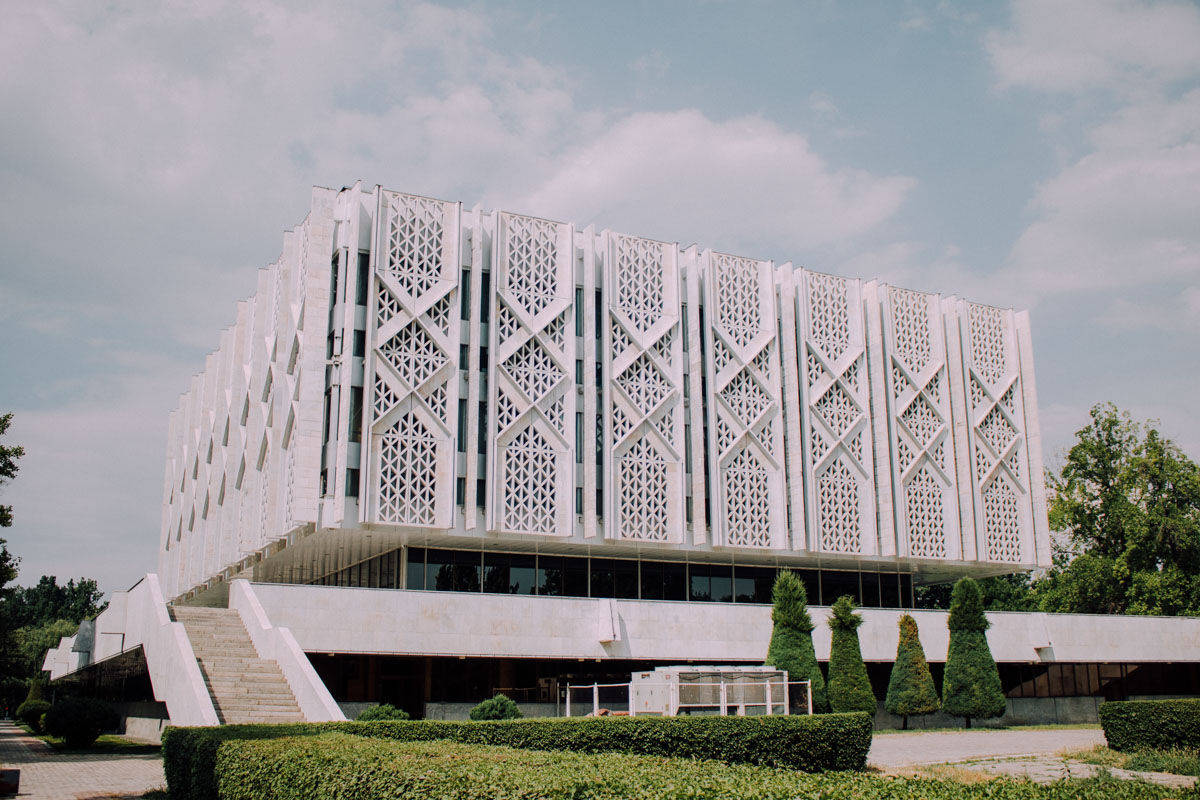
(1040, 154)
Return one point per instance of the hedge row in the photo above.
(1157, 724)
(347, 767)
(811, 744)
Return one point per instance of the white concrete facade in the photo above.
(380, 621)
(411, 371)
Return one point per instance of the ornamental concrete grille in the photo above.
(412, 372)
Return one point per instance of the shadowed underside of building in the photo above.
(444, 452)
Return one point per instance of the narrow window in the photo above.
(352, 482)
(363, 279)
(485, 298)
(464, 294)
(360, 344)
(462, 425)
(356, 402)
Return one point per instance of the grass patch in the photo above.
(944, 772)
(1175, 760)
(1099, 755)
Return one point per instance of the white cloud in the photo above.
(1071, 45)
(153, 155)
(743, 184)
(1117, 222)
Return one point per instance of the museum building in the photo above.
(446, 451)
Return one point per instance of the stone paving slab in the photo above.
(1047, 769)
(47, 774)
(916, 748)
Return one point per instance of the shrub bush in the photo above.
(383, 711)
(971, 686)
(498, 707)
(911, 691)
(1157, 724)
(79, 720)
(31, 712)
(812, 744)
(849, 688)
(791, 646)
(350, 768)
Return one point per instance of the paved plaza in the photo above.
(907, 749)
(1031, 754)
(47, 774)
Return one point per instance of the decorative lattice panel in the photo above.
(838, 448)
(917, 374)
(996, 436)
(532, 387)
(643, 488)
(745, 413)
(408, 479)
(412, 379)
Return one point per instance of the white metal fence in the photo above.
(687, 698)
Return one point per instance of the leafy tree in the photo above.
(791, 645)
(8, 468)
(971, 686)
(849, 686)
(48, 601)
(911, 691)
(33, 642)
(1129, 502)
(498, 707)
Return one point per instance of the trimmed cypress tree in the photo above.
(849, 686)
(911, 692)
(791, 646)
(971, 688)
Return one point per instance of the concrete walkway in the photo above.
(915, 747)
(47, 774)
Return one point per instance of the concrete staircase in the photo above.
(244, 688)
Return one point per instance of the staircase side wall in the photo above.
(279, 645)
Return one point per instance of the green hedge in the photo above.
(1158, 724)
(812, 744)
(347, 767)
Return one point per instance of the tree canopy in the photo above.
(49, 601)
(8, 468)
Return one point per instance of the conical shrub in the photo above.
(791, 645)
(911, 691)
(849, 686)
(971, 688)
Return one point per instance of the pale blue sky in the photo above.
(1044, 155)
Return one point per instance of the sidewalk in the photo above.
(47, 774)
(910, 749)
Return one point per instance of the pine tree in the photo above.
(849, 686)
(911, 692)
(791, 646)
(971, 688)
